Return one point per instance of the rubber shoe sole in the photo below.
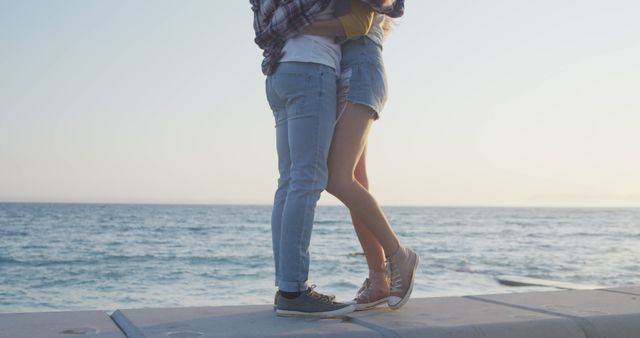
(367, 306)
(327, 314)
(275, 300)
(405, 299)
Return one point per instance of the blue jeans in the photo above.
(302, 97)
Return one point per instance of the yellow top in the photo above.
(358, 21)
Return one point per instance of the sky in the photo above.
(491, 103)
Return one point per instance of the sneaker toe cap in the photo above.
(394, 300)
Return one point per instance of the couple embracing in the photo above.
(326, 85)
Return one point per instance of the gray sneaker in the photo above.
(275, 299)
(364, 286)
(402, 267)
(311, 304)
(372, 294)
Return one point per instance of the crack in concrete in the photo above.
(383, 331)
(587, 328)
(125, 325)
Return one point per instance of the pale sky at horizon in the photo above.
(492, 103)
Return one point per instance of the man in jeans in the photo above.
(301, 81)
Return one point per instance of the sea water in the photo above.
(56, 257)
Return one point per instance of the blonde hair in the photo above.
(387, 24)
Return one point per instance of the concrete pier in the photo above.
(600, 313)
(95, 324)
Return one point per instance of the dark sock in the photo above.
(290, 295)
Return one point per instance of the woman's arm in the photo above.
(356, 23)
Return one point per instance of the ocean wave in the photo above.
(9, 260)
(181, 255)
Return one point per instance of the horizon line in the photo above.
(325, 205)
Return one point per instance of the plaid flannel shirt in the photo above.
(275, 21)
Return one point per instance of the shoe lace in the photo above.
(328, 299)
(372, 289)
(395, 278)
(364, 286)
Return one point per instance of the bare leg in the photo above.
(349, 141)
(373, 250)
(347, 147)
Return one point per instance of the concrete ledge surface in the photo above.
(610, 313)
(67, 324)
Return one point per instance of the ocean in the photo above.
(56, 257)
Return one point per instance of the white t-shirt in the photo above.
(316, 49)
(376, 33)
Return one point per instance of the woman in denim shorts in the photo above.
(363, 93)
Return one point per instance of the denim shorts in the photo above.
(363, 79)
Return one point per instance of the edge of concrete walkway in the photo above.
(609, 312)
